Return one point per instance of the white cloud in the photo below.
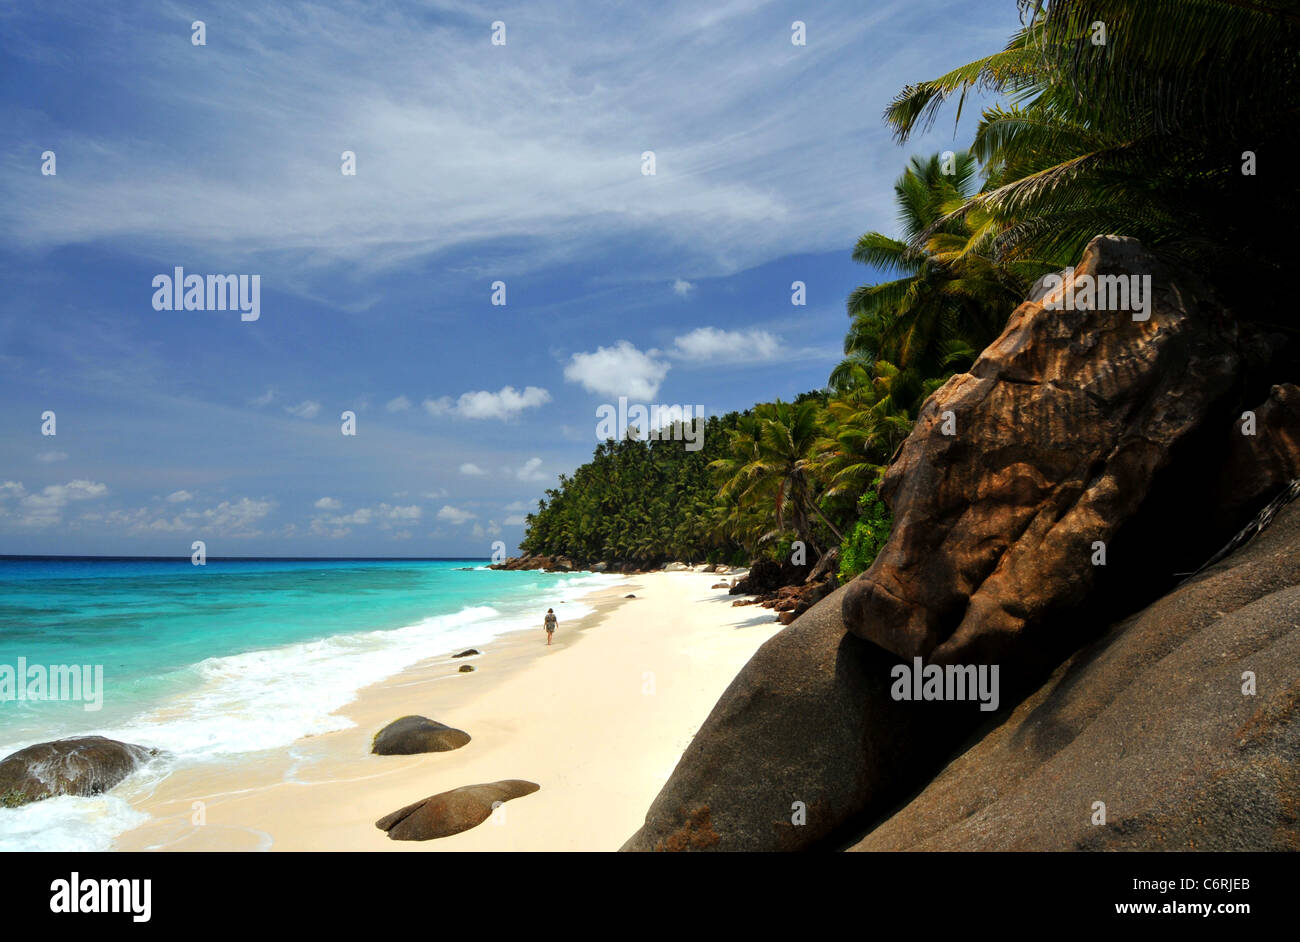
(235, 518)
(471, 469)
(682, 287)
(530, 471)
(46, 508)
(516, 520)
(482, 404)
(400, 404)
(506, 403)
(385, 516)
(389, 514)
(265, 399)
(455, 515)
(620, 370)
(179, 497)
(518, 505)
(307, 409)
(228, 519)
(48, 457)
(711, 344)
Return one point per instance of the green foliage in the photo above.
(860, 547)
(13, 799)
(772, 470)
(637, 501)
(949, 300)
(1142, 134)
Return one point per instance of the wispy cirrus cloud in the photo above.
(511, 141)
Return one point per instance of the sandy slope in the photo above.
(598, 720)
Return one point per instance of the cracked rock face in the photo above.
(1017, 471)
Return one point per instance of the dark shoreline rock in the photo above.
(82, 766)
(415, 734)
(788, 589)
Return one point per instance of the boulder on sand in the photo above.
(415, 734)
(808, 720)
(84, 765)
(468, 653)
(452, 812)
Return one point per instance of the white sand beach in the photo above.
(598, 720)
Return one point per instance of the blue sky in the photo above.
(475, 163)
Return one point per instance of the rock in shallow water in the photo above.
(452, 812)
(415, 734)
(86, 765)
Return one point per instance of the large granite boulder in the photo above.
(413, 734)
(1017, 472)
(85, 765)
(804, 739)
(452, 812)
(1156, 720)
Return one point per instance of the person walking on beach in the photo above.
(550, 623)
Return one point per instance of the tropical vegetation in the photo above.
(1159, 119)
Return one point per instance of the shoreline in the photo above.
(598, 724)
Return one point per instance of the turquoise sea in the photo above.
(237, 656)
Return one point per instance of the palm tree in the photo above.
(1131, 118)
(949, 302)
(863, 429)
(773, 462)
